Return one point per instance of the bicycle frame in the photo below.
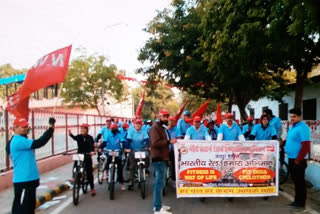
(113, 154)
(140, 157)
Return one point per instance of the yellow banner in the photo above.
(226, 190)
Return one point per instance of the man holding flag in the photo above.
(25, 171)
(49, 70)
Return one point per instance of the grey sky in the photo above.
(33, 28)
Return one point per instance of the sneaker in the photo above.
(165, 208)
(93, 193)
(162, 212)
(123, 187)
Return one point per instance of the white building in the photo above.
(310, 105)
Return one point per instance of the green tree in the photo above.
(88, 79)
(195, 101)
(213, 49)
(7, 70)
(157, 96)
(294, 39)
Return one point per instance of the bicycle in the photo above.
(112, 173)
(101, 167)
(283, 167)
(140, 157)
(80, 177)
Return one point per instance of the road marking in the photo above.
(67, 202)
(290, 198)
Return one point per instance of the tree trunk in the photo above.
(300, 82)
(98, 110)
(242, 109)
(242, 102)
(230, 103)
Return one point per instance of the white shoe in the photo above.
(162, 212)
(165, 208)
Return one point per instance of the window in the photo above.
(309, 109)
(283, 111)
(251, 110)
(264, 108)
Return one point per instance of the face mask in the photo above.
(114, 131)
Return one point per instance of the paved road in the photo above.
(131, 202)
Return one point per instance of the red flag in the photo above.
(49, 70)
(20, 109)
(218, 114)
(140, 106)
(181, 111)
(201, 110)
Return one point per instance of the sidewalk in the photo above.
(313, 197)
(48, 181)
(60, 175)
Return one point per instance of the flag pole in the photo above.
(55, 105)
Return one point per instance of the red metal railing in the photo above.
(60, 142)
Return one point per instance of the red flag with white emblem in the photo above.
(49, 70)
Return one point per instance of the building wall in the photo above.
(310, 92)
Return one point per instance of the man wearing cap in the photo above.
(246, 130)
(174, 133)
(159, 149)
(230, 131)
(113, 141)
(137, 140)
(183, 124)
(297, 148)
(25, 171)
(197, 132)
(104, 131)
(274, 121)
(85, 144)
(212, 130)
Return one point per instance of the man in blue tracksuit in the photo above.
(297, 148)
(137, 140)
(113, 141)
(183, 125)
(25, 171)
(246, 130)
(197, 132)
(230, 131)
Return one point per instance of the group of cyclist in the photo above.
(128, 138)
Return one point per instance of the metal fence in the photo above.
(60, 142)
(315, 137)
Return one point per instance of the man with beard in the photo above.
(159, 149)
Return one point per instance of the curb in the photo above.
(55, 191)
(51, 193)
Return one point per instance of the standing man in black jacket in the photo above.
(86, 146)
(25, 171)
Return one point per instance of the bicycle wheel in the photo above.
(142, 181)
(100, 172)
(112, 182)
(283, 172)
(76, 188)
(84, 182)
